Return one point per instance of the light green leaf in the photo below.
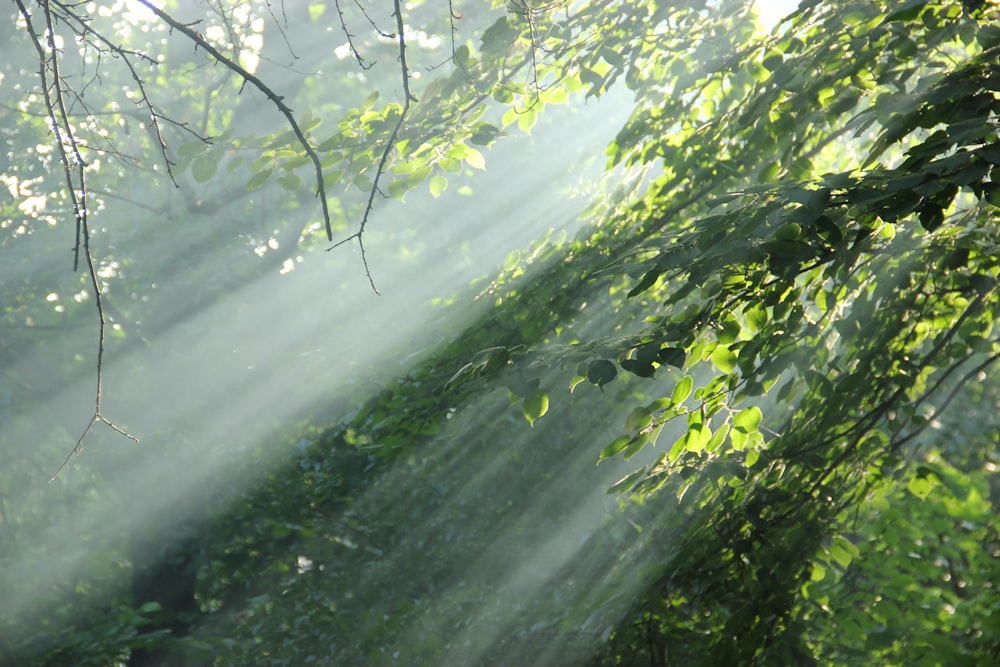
(369, 101)
(475, 159)
(634, 447)
(698, 436)
(526, 120)
(398, 189)
(747, 420)
(316, 10)
(682, 390)
(756, 316)
(438, 185)
(615, 447)
(717, 438)
(535, 406)
(840, 554)
(724, 359)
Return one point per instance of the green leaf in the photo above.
(398, 188)
(790, 231)
(991, 193)
(191, 149)
(259, 179)
(698, 436)
(556, 95)
(931, 217)
(615, 447)
(677, 448)
(638, 368)
(475, 159)
(724, 359)
(526, 119)
(203, 168)
(484, 134)
(738, 439)
(906, 12)
(635, 446)
(921, 487)
(682, 390)
(842, 551)
(626, 482)
(601, 372)
(418, 176)
(747, 420)
(672, 356)
(988, 36)
(290, 182)
(638, 419)
(648, 280)
(756, 316)
(369, 101)
(717, 438)
(535, 406)
(316, 10)
(438, 185)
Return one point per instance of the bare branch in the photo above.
(84, 29)
(371, 21)
(281, 28)
(350, 38)
(275, 99)
(407, 98)
(76, 185)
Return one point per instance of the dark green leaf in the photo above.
(601, 372)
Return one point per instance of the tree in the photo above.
(775, 334)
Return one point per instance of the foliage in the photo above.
(776, 333)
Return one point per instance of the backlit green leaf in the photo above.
(682, 390)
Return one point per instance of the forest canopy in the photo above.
(563, 333)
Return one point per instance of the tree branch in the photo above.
(407, 98)
(76, 186)
(275, 99)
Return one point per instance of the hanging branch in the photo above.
(407, 98)
(276, 100)
(350, 38)
(281, 28)
(76, 188)
(84, 29)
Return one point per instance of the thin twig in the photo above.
(62, 129)
(350, 38)
(408, 97)
(154, 116)
(276, 100)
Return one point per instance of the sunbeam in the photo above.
(622, 334)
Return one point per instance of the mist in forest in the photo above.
(210, 383)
